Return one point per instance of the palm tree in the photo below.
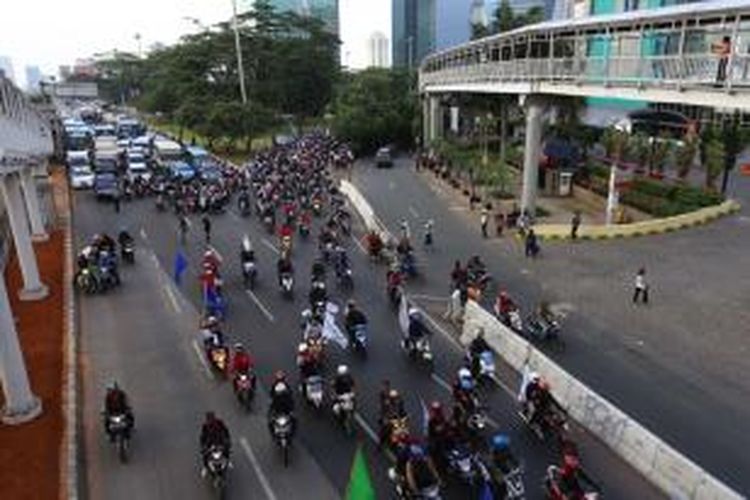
(685, 156)
(640, 149)
(714, 164)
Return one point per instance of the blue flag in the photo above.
(214, 302)
(180, 266)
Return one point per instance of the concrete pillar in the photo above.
(534, 109)
(436, 118)
(10, 188)
(21, 405)
(426, 124)
(28, 184)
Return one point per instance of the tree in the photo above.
(614, 141)
(715, 161)
(640, 149)
(376, 107)
(685, 156)
(503, 19)
(661, 148)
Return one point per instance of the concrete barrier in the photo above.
(362, 206)
(654, 226)
(675, 474)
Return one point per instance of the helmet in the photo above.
(342, 370)
(279, 376)
(207, 254)
(210, 416)
(500, 442)
(413, 312)
(436, 408)
(503, 294)
(393, 394)
(112, 386)
(534, 377)
(302, 348)
(464, 373)
(212, 321)
(351, 304)
(238, 347)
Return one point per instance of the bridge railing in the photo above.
(23, 129)
(667, 48)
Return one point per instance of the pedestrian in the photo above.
(641, 287)
(405, 233)
(455, 308)
(116, 200)
(532, 245)
(484, 221)
(723, 49)
(207, 228)
(184, 226)
(499, 222)
(575, 223)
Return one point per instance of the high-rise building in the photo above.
(6, 68)
(414, 28)
(378, 51)
(356, 29)
(522, 6)
(33, 78)
(325, 10)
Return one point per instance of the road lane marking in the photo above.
(202, 359)
(413, 212)
(269, 245)
(260, 305)
(359, 245)
(258, 471)
(433, 298)
(172, 297)
(366, 427)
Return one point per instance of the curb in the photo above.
(69, 452)
(560, 232)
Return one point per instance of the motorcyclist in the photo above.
(354, 318)
(212, 260)
(116, 403)
(283, 267)
(318, 270)
(502, 461)
(539, 400)
(394, 280)
(374, 243)
(242, 362)
(478, 346)
(428, 233)
(282, 400)
(341, 259)
(213, 433)
(211, 333)
(391, 409)
(124, 238)
(504, 304)
(420, 471)
(247, 252)
(243, 201)
(343, 383)
(317, 295)
(440, 434)
(416, 330)
(464, 395)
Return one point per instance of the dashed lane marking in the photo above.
(366, 427)
(265, 484)
(269, 245)
(260, 305)
(202, 359)
(413, 212)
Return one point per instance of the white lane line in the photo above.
(202, 359)
(359, 245)
(434, 298)
(172, 297)
(269, 245)
(413, 212)
(260, 305)
(366, 427)
(258, 471)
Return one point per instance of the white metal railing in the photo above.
(673, 47)
(24, 132)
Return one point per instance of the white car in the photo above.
(138, 170)
(123, 144)
(81, 177)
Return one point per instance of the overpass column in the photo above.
(10, 188)
(31, 197)
(21, 405)
(435, 118)
(534, 109)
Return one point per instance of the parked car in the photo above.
(81, 177)
(106, 185)
(384, 158)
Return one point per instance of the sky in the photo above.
(50, 33)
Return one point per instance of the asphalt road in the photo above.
(143, 334)
(675, 366)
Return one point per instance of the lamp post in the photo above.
(238, 49)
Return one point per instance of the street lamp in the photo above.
(238, 49)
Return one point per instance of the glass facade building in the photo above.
(326, 10)
(414, 28)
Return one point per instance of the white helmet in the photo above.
(464, 373)
(534, 377)
(342, 370)
(302, 348)
(246, 244)
(413, 312)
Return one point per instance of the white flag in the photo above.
(403, 316)
(331, 330)
(525, 376)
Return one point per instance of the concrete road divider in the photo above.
(362, 206)
(668, 469)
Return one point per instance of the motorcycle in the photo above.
(431, 492)
(128, 253)
(314, 391)
(409, 265)
(86, 282)
(394, 295)
(345, 277)
(419, 350)
(118, 427)
(554, 491)
(244, 389)
(304, 230)
(281, 427)
(249, 273)
(545, 330)
(217, 465)
(466, 465)
(268, 223)
(287, 285)
(553, 424)
(160, 205)
(343, 409)
(244, 206)
(485, 368)
(359, 339)
(317, 207)
(286, 245)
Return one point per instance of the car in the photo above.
(81, 177)
(138, 170)
(181, 169)
(211, 173)
(106, 164)
(77, 159)
(384, 158)
(106, 185)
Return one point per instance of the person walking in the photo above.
(484, 220)
(184, 226)
(723, 49)
(207, 228)
(575, 223)
(116, 200)
(499, 222)
(641, 287)
(532, 245)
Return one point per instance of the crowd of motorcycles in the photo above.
(287, 187)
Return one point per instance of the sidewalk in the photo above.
(30, 453)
